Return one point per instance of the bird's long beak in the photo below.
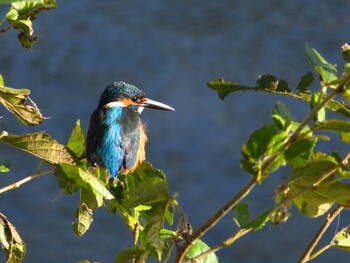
(147, 103)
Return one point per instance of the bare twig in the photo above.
(330, 217)
(23, 181)
(213, 220)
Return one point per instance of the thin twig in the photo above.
(330, 217)
(228, 242)
(213, 220)
(23, 181)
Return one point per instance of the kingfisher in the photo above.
(116, 137)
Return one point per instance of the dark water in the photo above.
(170, 49)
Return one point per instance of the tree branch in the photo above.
(330, 217)
(23, 181)
(212, 221)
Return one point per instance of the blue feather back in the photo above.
(109, 147)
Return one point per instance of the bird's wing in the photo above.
(131, 140)
(92, 134)
(131, 147)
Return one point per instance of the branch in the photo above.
(228, 242)
(212, 221)
(23, 181)
(330, 217)
(223, 211)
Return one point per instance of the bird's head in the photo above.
(124, 95)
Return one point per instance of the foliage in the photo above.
(317, 182)
(21, 15)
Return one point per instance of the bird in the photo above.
(116, 136)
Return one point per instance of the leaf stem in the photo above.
(24, 180)
(330, 217)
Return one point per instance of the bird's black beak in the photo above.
(147, 103)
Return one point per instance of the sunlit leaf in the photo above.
(146, 187)
(88, 202)
(326, 70)
(84, 179)
(199, 247)
(299, 153)
(282, 116)
(21, 15)
(11, 242)
(266, 140)
(39, 144)
(334, 125)
(16, 101)
(342, 239)
(84, 220)
(5, 166)
(76, 143)
(316, 201)
(134, 254)
(316, 99)
(345, 137)
(260, 221)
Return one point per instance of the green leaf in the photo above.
(326, 70)
(267, 81)
(305, 82)
(345, 137)
(146, 187)
(316, 99)
(199, 247)
(128, 255)
(21, 15)
(264, 141)
(76, 143)
(84, 179)
(320, 164)
(84, 220)
(342, 239)
(260, 148)
(5, 166)
(317, 200)
(88, 203)
(39, 144)
(224, 88)
(15, 100)
(334, 125)
(1, 81)
(282, 116)
(260, 221)
(242, 214)
(11, 242)
(299, 153)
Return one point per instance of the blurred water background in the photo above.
(170, 49)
